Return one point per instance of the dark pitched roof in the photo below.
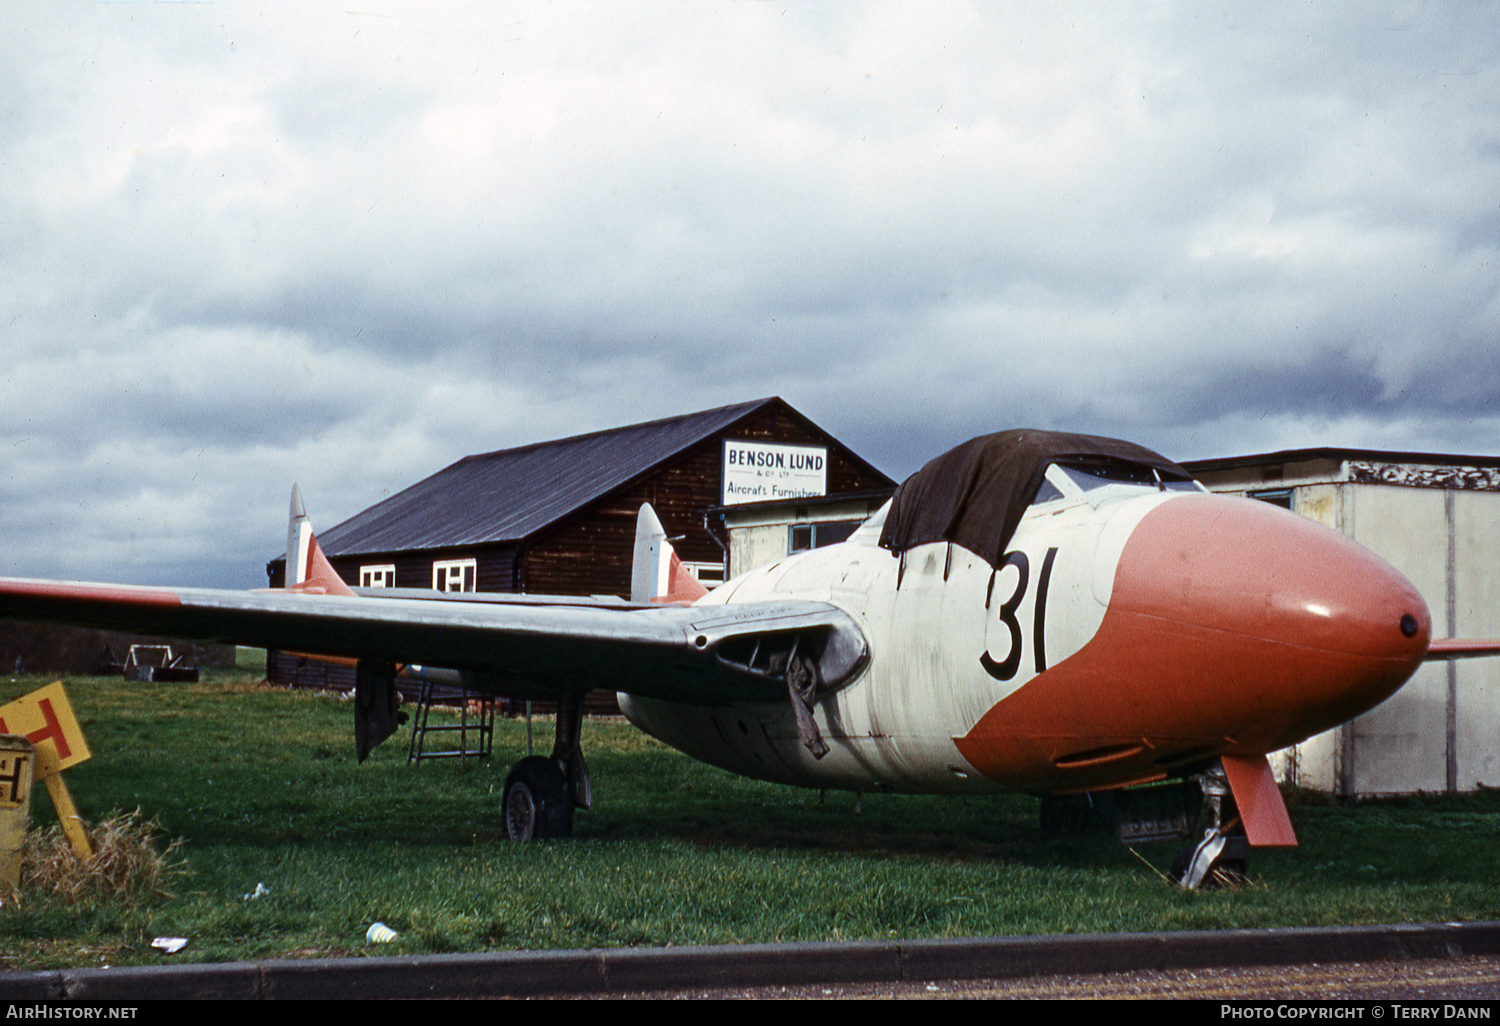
(511, 494)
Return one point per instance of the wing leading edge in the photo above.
(523, 649)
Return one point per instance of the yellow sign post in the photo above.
(45, 718)
(16, 761)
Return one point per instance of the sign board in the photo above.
(15, 771)
(766, 471)
(16, 760)
(46, 720)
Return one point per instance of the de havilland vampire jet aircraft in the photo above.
(1058, 614)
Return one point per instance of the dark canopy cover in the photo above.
(975, 494)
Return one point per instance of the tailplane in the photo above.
(307, 569)
(657, 574)
(1462, 648)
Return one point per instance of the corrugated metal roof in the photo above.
(1438, 459)
(511, 494)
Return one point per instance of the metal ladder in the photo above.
(481, 724)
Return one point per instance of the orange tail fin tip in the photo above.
(657, 574)
(307, 569)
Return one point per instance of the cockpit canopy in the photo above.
(975, 494)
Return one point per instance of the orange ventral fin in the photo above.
(307, 569)
(1262, 809)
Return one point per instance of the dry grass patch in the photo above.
(132, 861)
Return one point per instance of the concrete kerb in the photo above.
(1076, 954)
(234, 981)
(628, 970)
(751, 965)
(438, 976)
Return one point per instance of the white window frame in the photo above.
(812, 527)
(382, 575)
(710, 575)
(448, 572)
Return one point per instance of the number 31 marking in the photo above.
(1007, 668)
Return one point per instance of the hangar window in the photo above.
(1278, 497)
(378, 576)
(815, 536)
(454, 575)
(710, 575)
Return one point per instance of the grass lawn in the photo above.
(262, 788)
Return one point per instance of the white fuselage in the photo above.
(929, 616)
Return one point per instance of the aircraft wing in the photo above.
(523, 648)
(1462, 648)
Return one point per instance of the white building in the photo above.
(763, 532)
(1436, 518)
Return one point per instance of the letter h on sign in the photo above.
(13, 777)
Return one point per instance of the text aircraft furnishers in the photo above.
(1059, 614)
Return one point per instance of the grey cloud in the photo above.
(250, 244)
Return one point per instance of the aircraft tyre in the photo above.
(1178, 869)
(536, 805)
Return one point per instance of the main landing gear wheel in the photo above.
(537, 804)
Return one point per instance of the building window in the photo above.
(378, 576)
(454, 575)
(815, 536)
(1277, 497)
(710, 575)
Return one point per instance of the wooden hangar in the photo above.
(558, 518)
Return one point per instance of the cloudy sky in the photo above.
(243, 245)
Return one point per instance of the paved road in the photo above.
(1470, 978)
(1409, 962)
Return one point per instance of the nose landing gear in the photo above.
(1221, 858)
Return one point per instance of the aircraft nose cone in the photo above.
(1293, 627)
(1232, 628)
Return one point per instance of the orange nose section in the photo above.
(1296, 626)
(1233, 627)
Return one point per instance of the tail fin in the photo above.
(307, 569)
(657, 575)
